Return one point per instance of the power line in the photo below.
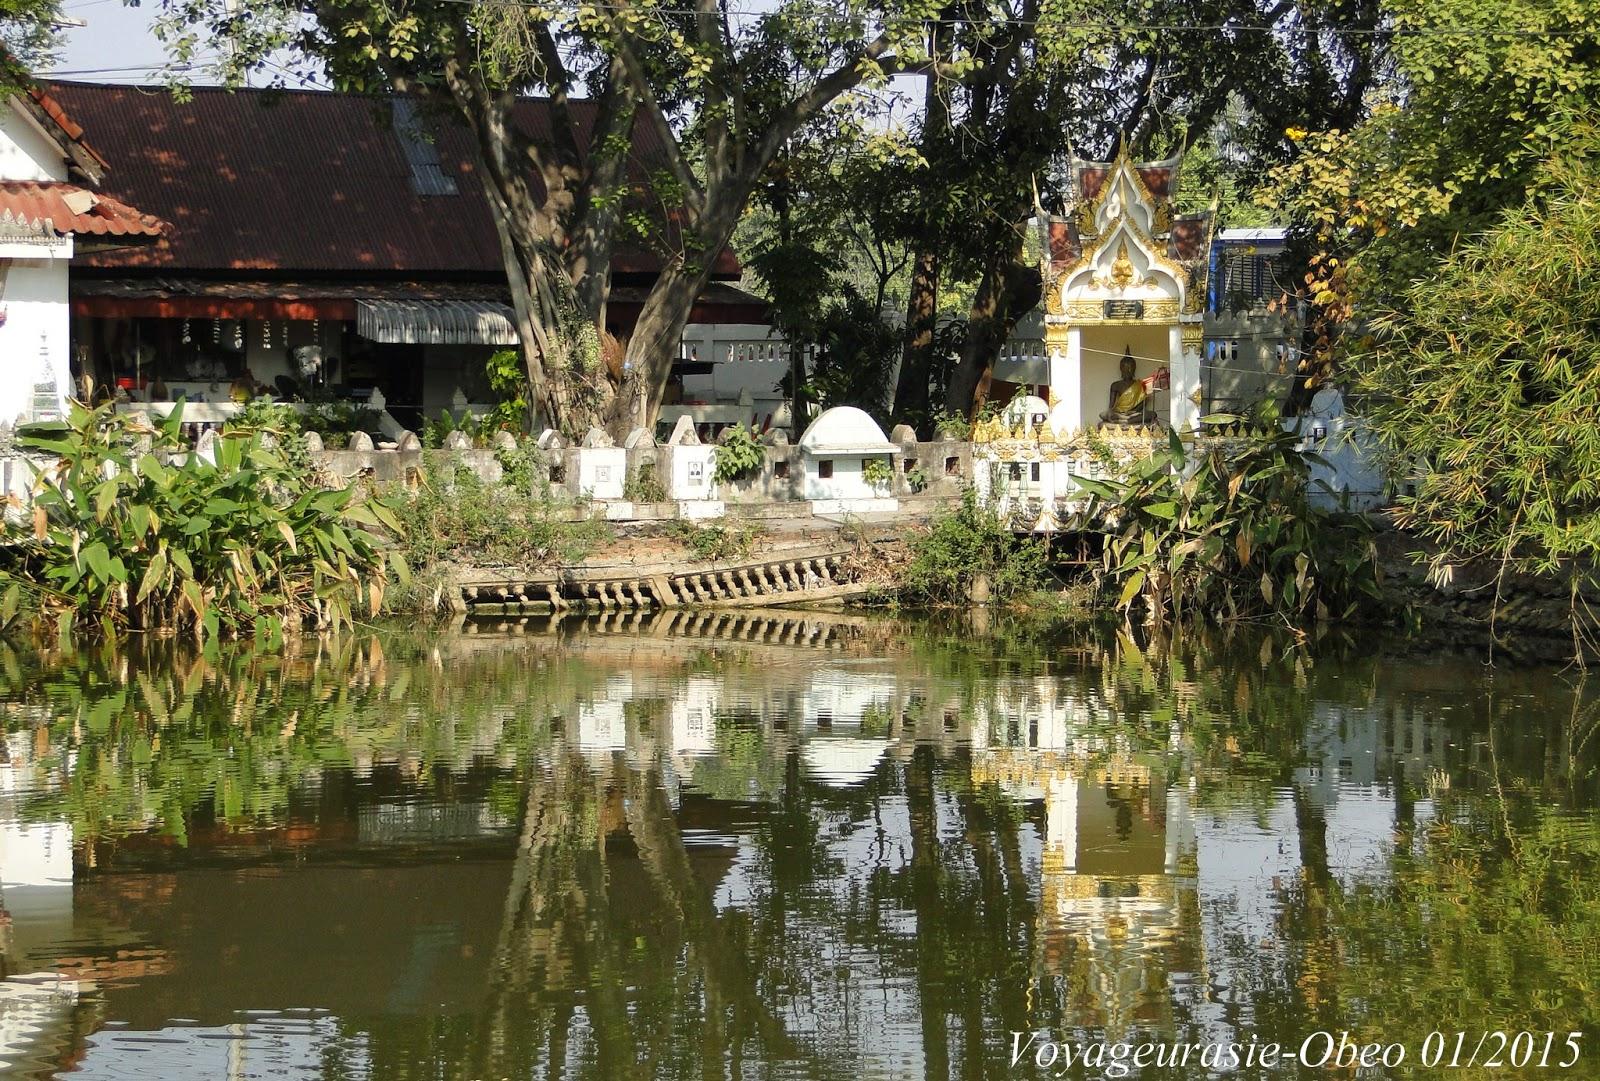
(1104, 26)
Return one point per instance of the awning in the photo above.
(436, 322)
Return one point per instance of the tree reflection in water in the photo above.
(807, 847)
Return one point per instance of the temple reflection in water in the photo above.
(836, 847)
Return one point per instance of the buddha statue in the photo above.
(1129, 401)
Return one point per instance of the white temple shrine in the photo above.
(1124, 293)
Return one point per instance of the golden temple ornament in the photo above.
(1122, 272)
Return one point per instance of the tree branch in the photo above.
(694, 196)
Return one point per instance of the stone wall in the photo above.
(1520, 616)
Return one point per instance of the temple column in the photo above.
(1183, 409)
(1066, 384)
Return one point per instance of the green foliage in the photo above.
(963, 543)
(1232, 535)
(917, 479)
(949, 424)
(508, 382)
(246, 545)
(878, 473)
(479, 429)
(716, 544)
(643, 486)
(1483, 387)
(28, 39)
(282, 423)
(1477, 94)
(738, 455)
(522, 468)
(459, 518)
(854, 356)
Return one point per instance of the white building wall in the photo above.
(26, 153)
(34, 336)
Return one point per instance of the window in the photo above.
(558, 473)
(952, 466)
(1033, 472)
(908, 465)
(825, 469)
(780, 470)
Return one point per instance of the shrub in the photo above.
(878, 473)
(245, 545)
(964, 542)
(337, 421)
(644, 486)
(715, 544)
(457, 517)
(1233, 535)
(738, 455)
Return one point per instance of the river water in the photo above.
(755, 846)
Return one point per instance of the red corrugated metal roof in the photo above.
(300, 181)
(39, 205)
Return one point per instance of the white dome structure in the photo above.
(843, 762)
(845, 430)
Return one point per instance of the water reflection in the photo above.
(769, 846)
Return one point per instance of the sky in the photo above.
(117, 45)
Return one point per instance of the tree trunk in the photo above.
(913, 388)
(985, 335)
(798, 406)
(565, 379)
(654, 345)
(658, 334)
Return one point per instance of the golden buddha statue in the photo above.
(1129, 401)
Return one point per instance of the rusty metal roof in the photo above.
(302, 181)
(47, 207)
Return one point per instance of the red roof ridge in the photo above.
(52, 111)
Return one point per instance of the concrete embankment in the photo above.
(813, 561)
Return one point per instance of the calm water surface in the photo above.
(808, 847)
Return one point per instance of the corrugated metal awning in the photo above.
(436, 322)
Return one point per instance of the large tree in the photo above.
(718, 92)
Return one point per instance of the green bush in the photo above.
(716, 544)
(644, 486)
(245, 545)
(738, 455)
(1232, 535)
(459, 518)
(878, 474)
(964, 542)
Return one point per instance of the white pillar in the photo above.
(1183, 410)
(1061, 819)
(1066, 384)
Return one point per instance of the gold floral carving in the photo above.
(1052, 296)
(1194, 334)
